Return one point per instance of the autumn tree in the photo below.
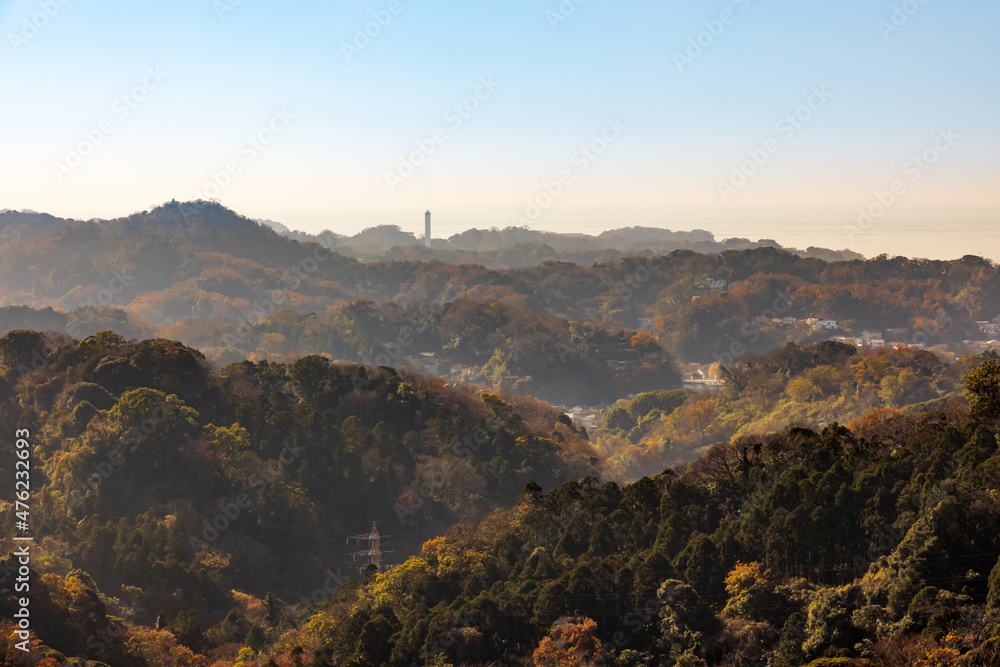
(572, 642)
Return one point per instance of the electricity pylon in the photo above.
(374, 551)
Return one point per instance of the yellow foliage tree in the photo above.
(747, 584)
(395, 586)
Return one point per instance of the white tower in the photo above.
(427, 229)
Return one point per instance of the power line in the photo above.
(374, 551)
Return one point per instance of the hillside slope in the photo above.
(157, 473)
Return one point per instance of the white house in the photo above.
(716, 285)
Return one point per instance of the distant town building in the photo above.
(990, 328)
(716, 285)
(700, 377)
(585, 417)
(427, 229)
(430, 362)
(980, 346)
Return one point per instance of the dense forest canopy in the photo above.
(263, 449)
(873, 544)
(141, 445)
(222, 283)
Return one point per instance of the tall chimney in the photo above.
(427, 229)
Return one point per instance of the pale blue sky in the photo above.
(558, 86)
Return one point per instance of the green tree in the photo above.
(22, 352)
(982, 389)
(187, 629)
(255, 638)
(498, 366)
(993, 595)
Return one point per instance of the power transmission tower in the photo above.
(374, 551)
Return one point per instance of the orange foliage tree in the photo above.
(572, 642)
(159, 648)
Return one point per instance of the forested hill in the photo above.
(488, 343)
(804, 385)
(182, 262)
(871, 546)
(140, 448)
(519, 247)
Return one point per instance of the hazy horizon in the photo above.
(905, 238)
(296, 115)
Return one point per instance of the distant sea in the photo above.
(939, 238)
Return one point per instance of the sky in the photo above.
(861, 124)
